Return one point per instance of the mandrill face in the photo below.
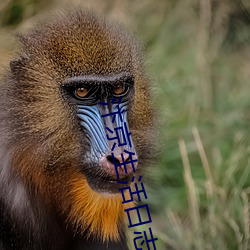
(70, 74)
(101, 102)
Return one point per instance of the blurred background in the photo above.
(198, 56)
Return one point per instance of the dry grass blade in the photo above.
(204, 159)
(246, 220)
(192, 197)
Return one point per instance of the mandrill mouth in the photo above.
(102, 182)
(121, 182)
(111, 173)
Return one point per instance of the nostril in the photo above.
(128, 159)
(110, 159)
(118, 159)
(119, 165)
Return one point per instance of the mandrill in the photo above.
(58, 181)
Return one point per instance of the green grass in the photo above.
(200, 187)
(199, 59)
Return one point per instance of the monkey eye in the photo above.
(118, 89)
(81, 92)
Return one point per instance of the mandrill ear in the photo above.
(18, 63)
(15, 64)
(17, 67)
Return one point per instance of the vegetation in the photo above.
(199, 59)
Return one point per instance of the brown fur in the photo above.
(40, 133)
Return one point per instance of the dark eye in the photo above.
(81, 92)
(119, 89)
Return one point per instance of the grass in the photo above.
(198, 56)
(202, 183)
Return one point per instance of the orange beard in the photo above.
(96, 212)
